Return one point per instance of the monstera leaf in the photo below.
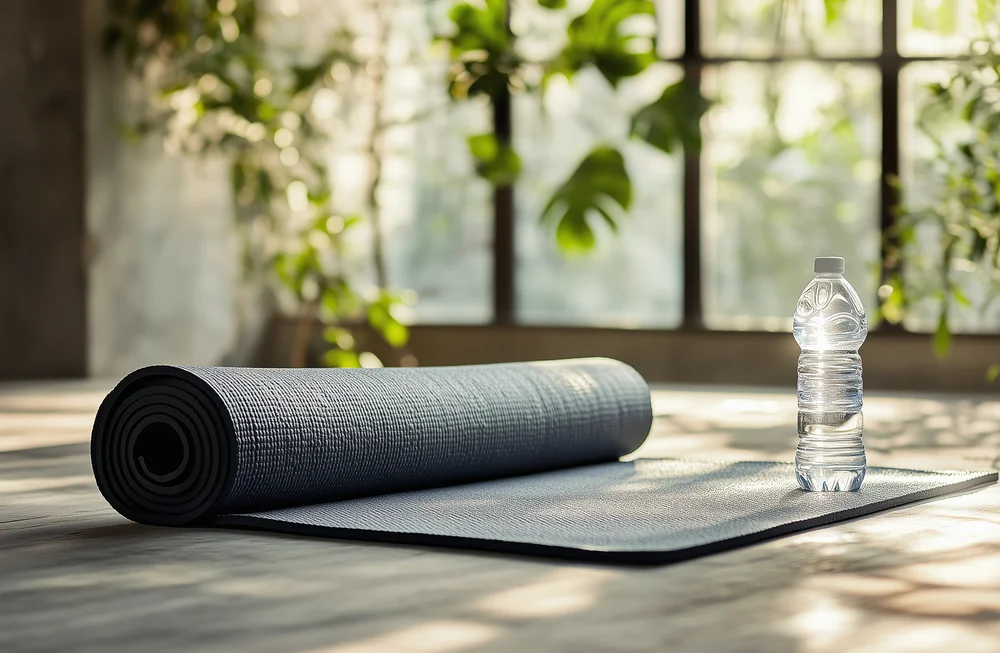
(673, 119)
(599, 185)
(597, 37)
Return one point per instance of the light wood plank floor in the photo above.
(75, 576)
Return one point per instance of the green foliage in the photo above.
(937, 17)
(485, 62)
(497, 162)
(986, 11)
(942, 335)
(894, 302)
(834, 10)
(961, 207)
(673, 119)
(480, 26)
(217, 86)
(598, 38)
(382, 315)
(483, 59)
(600, 185)
(341, 358)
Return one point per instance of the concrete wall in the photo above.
(165, 281)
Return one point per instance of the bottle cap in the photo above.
(829, 264)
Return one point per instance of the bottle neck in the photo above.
(828, 275)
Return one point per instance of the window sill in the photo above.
(892, 360)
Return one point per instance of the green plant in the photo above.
(486, 61)
(618, 39)
(214, 83)
(945, 249)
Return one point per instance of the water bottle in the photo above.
(830, 325)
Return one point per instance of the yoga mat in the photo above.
(518, 457)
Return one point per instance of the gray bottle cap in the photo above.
(829, 264)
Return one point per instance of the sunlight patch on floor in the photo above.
(559, 593)
(433, 637)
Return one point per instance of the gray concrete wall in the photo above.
(165, 283)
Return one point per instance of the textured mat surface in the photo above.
(518, 457)
(645, 511)
(172, 445)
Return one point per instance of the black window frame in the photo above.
(889, 63)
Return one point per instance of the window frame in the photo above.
(693, 60)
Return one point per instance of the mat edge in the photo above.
(627, 557)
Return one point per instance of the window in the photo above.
(931, 31)
(633, 278)
(804, 133)
(398, 129)
(784, 185)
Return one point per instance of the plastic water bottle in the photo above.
(830, 325)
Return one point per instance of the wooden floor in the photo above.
(75, 576)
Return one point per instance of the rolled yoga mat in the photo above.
(520, 457)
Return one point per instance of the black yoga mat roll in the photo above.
(173, 445)
(518, 457)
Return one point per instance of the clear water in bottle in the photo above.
(830, 325)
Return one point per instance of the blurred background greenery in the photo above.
(640, 164)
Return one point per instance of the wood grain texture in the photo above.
(78, 577)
